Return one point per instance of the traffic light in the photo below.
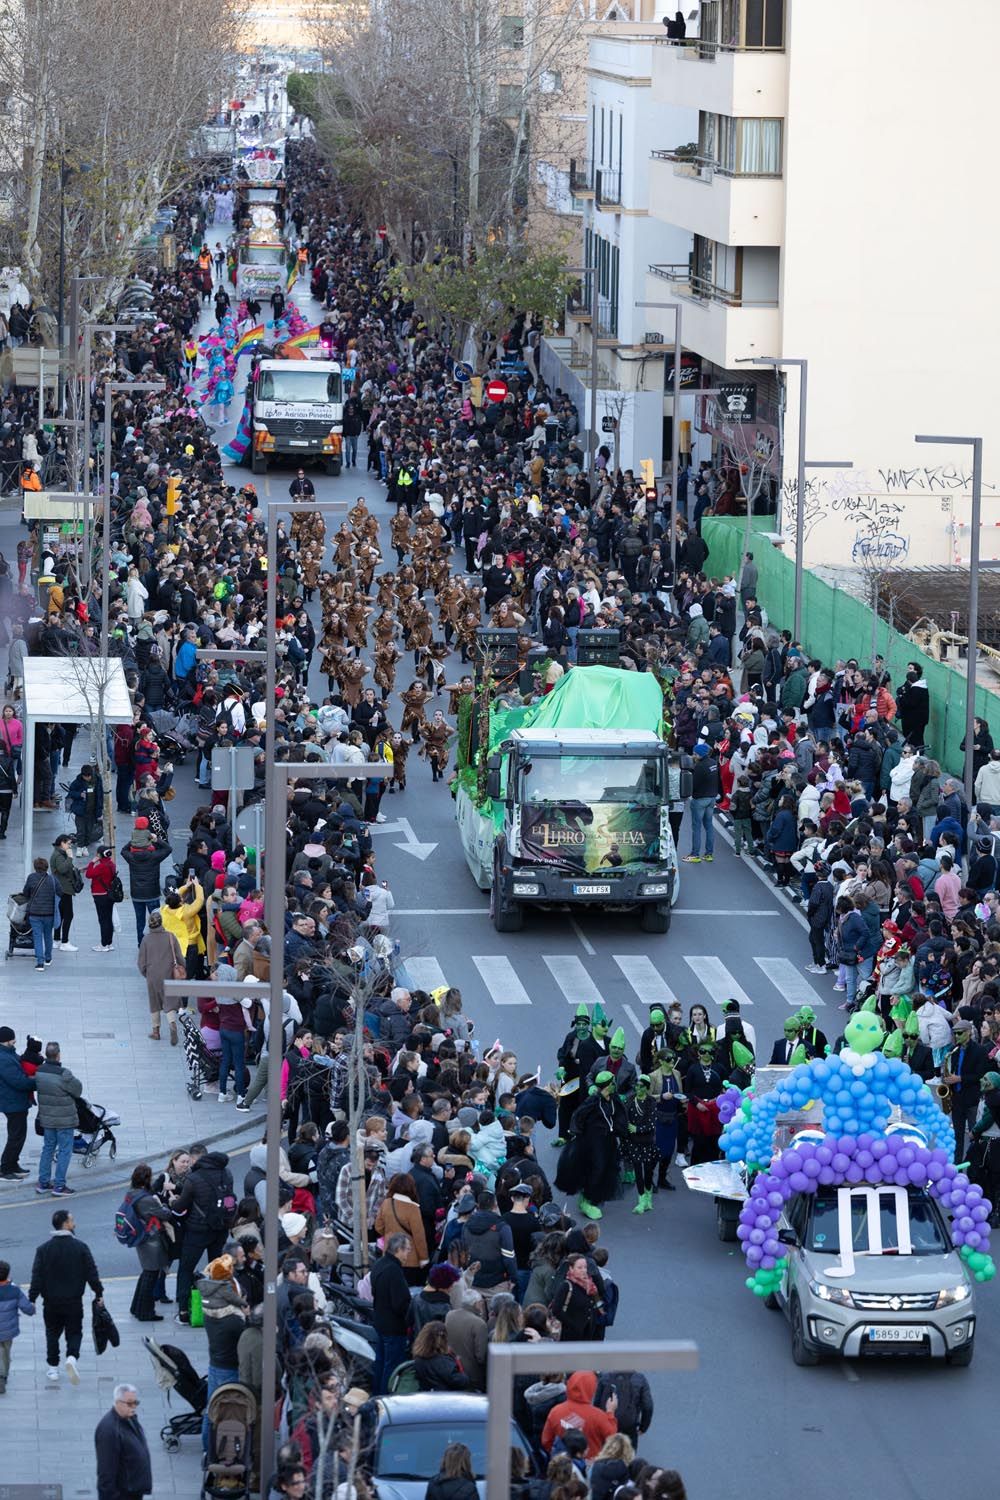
(648, 475)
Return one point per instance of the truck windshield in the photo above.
(262, 255)
(593, 778)
(926, 1235)
(300, 384)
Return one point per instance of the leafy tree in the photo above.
(462, 298)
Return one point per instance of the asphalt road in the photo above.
(748, 1418)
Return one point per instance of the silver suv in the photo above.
(872, 1271)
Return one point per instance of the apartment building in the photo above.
(812, 187)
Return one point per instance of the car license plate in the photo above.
(902, 1333)
(591, 890)
(298, 442)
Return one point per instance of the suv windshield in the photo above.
(300, 384)
(926, 1233)
(414, 1452)
(593, 778)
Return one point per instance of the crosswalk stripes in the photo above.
(497, 973)
(645, 979)
(591, 980)
(572, 978)
(717, 979)
(789, 982)
(426, 973)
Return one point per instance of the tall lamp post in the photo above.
(110, 389)
(675, 423)
(802, 464)
(591, 271)
(976, 444)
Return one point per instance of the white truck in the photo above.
(297, 410)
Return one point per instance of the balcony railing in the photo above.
(579, 176)
(702, 168)
(607, 318)
(686, 164)
(687, 284)
(607, 186)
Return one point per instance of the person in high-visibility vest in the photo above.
(189, 350)
(30, 479)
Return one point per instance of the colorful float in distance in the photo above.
(859, 1142)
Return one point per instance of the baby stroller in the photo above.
(203, 1063)
(175, 1372)
(93, 1130)
(232, 1412)
(21, 938)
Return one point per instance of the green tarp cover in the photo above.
(588, 698)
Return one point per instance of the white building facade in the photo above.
(809, 182)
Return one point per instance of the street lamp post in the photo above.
(976, 444)
(802, 464)
(110, 388)
(675, 424)
(591, 271)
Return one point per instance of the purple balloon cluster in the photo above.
(728, 1103)
(836, 1160)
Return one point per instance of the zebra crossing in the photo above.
(627, 979)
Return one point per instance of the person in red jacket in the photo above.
(101, 872)
(579, 1411)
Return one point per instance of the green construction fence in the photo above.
(836, 626)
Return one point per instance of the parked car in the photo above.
(900, 1289)
(412, 1432)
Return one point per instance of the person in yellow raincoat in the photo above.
(181, 914)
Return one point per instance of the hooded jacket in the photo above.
(58, 1091)
(489, 1241)
(144, 863)
(208, 1180)
(225, 1319)
(578, 1411)
(15, 1085)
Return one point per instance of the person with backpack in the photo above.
(139, 1225)
(208, 1203)
(635, 1400)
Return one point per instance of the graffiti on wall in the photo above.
(870, 509)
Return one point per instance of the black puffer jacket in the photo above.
(208, 1181)
(144, 869)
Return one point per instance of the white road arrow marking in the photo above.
(413, 845)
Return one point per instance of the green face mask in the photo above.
(582, 1030)
(616, 1052)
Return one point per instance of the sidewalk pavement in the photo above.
(48, 1430)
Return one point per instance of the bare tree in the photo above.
(107, 96)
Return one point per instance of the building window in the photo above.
(740, 147)
(751, 25)
(512, 32)
(550, 82)
(510, 99)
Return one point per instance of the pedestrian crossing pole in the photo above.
(278, 775)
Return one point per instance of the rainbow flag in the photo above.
(252, 336)
(293, 275)
(303, 340)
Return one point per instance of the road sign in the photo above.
(463, 372)
(250, 828)
(496, 390)
(226, 775)
(609, 424)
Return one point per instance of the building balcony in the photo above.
(607, 188)
(581, 182)
(723, 80)
(718, 323)
(733, 208)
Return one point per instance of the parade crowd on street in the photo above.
(822, 770)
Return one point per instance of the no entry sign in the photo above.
(496, 390)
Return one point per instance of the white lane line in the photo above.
(572, 978)
(426, 973)
(443, 911)
(793, 986)
(713, 911)
(717, 979)
(645, 979)
(634, 1019)
(584, 941)
(498, 975)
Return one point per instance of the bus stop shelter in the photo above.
(66, 690)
